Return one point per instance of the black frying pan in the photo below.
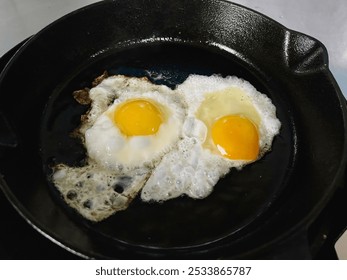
(264, 209)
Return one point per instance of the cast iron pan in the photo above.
(264, 209)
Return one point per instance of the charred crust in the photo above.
(99, 79)
(82, 96)
(84, 117)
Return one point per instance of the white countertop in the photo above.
(324, 20)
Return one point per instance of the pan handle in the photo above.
(304, 54)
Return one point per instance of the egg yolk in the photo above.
(138, 117)
(236, 137)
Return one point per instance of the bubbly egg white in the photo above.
(194, 168)
(95, 192)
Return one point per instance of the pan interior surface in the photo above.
(238, 199)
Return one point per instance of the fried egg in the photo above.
(228, 124)
(131, 124)
(240, 121)
(137, 129)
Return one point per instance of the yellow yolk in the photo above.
(138, 117)
(236, 137)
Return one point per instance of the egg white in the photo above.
(201, 167)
